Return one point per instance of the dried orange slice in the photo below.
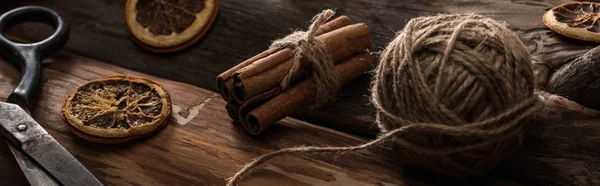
(169, 25)
(577, 20)
(116, 109)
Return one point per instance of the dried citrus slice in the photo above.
(116, 109)
(169, 25)
(577, 20)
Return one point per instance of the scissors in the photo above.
(41, 158)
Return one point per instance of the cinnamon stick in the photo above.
(266, 73)
(300, 95)
(253, 103)
(224, 81)
(232, 110)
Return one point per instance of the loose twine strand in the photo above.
(308, 49)
(527, 107)
(409, 101)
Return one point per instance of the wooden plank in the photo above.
(208, 149)
(549, 157)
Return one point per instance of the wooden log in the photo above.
(579, 80)
(560, 147)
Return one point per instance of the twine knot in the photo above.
(308, 49)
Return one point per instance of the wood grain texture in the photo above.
(202, 146)
(579, 79)
(205, 151)
(99, 31)
(241, 30)
(244, 28)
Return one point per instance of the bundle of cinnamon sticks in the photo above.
(253, 88)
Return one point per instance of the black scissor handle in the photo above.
(28, 56)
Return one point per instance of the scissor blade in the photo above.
(25, 133)
(59, 162)
(34, 174)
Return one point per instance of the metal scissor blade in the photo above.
(34, 174)
(24, 132)
(59, 162)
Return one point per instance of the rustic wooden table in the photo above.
(208, 149)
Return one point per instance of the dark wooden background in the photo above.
(245, 27)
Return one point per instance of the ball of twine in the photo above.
(461, 88)
(453, 93)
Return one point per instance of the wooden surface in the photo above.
(245, 28)
(205, 151)
(550, 156)
(560, 147)
(579, 79)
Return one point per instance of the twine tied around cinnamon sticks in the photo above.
(308, 49)
(276, 83)
(453, 93)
